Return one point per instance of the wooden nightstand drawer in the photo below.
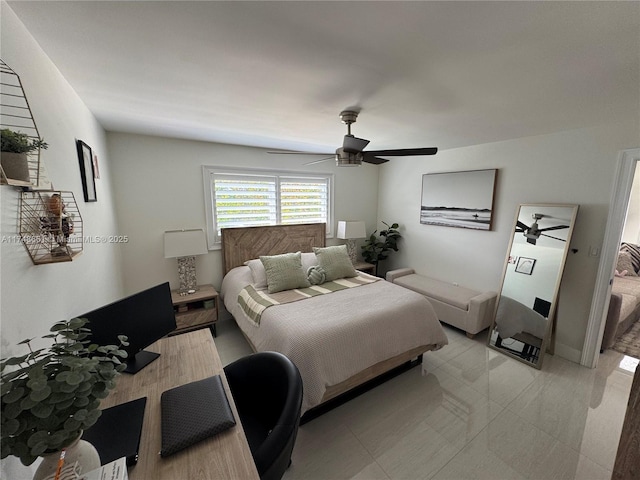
(196, 319)
(197, 310)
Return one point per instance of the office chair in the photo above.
(267, 391)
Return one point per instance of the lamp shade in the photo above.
(184, 243)
(350, 229)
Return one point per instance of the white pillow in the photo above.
(258, 272)
(309, 259)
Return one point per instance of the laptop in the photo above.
(117, 432)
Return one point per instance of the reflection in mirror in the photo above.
(536, 256)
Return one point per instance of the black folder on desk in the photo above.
(194, 412)
(117, 432)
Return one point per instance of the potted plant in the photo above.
(14, 148)
(50, 395)
(376, 248)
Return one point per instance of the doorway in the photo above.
(623, 181)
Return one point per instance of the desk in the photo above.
(183, 359)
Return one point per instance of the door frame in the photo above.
(618, 205)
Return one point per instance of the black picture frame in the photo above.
(525, 265)
(85, 157)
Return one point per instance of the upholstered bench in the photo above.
(458, 306)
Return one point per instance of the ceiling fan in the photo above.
(352, 152)
(533, 232)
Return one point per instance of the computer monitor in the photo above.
(143, 317)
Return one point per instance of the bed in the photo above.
(335, 348)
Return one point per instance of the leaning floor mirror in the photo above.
(525, 312)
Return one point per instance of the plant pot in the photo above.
(79, 451)
(15, 166)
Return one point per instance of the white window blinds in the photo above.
(255, 198)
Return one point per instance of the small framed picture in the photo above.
(87, 172)
(525, 265)
(96, 169)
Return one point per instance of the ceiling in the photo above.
(277, 74)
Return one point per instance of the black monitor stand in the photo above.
(140, 360)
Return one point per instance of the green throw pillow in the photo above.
(284, 272)
(335, 262)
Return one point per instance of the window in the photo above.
(245, 198)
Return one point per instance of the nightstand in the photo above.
(196, 310)
(365, 267)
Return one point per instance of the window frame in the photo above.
(208, 175)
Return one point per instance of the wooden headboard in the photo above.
(245, 243)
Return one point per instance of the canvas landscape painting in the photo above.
(458, 199)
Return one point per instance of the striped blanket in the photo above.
(255, 302)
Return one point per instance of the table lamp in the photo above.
(350, 230)
(185, 245)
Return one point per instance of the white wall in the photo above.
(35, 297)
(565, 167)
(631, 231)
(158, 186)
(542, 281)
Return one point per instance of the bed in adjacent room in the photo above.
(340, 327)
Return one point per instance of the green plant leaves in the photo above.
(42, 410)
(375, 249)
(18, 142)
(14, 395)
(55, 390)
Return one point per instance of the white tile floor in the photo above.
(468, 413)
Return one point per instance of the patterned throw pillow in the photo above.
(634, 252)
(625, 263)
(335, 262)
(284, 272)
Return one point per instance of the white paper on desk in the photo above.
(116, 470)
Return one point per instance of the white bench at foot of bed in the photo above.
(461, 307)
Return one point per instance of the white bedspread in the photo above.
(513, 317)
(332, 337)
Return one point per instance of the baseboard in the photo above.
(568, 353)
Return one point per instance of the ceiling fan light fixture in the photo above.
(346, 159)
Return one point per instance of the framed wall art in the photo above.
(87, 173)
(525, 265)
(459, 199)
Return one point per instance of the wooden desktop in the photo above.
(183, 359)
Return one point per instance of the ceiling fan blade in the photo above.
(321, 160)
(294, 152)
(403, 152)
(353, 144)
(557, 227)
(368, 158)
(555, 238)
(521, 225)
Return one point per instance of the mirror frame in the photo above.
(549, 336)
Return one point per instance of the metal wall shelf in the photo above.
(15, 115)
(50, 226)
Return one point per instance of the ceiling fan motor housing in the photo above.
(348, 116)
(347, 159)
